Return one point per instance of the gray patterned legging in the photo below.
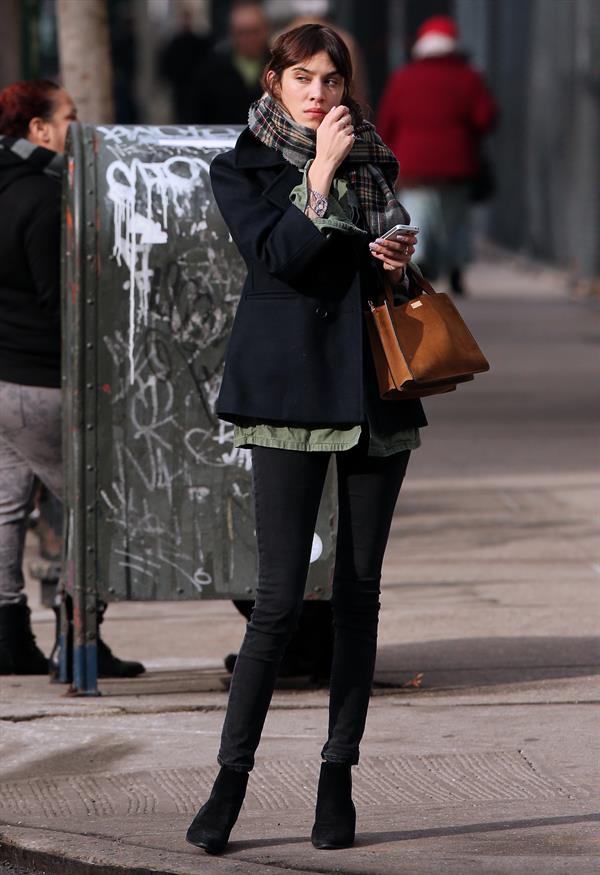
(30, 446)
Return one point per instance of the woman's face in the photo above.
(51, 133)
(64, 113)
(308, 90)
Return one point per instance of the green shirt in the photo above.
(330, 440)
(341, 215)
(249, 69)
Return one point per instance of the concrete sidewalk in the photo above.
(491, 590)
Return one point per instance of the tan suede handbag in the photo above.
(422, 346)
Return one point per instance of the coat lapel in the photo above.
(278, 191)
(252, 154)
(249, 152)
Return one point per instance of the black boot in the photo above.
(309, 653)
(335, 817)
(19, 654)
(212, 825)
(109, 665)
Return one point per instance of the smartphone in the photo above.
(400, 229)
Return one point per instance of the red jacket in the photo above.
(432, 115)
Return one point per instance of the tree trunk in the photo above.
(10, 56)
(85, 60)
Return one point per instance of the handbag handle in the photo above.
(418, 279)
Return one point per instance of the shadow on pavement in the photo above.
(491, 661)
(365, 839)
(79, 759)
(446, 664)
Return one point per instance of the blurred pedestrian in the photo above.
(179, 62)
(306, 194)
(229, 80)
(125, 59)
(34, 118)
(433, 114)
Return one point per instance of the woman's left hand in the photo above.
(395, 254)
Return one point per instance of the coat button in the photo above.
(321, 312)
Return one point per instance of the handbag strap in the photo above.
(417, 278)
(420, 280)
(388, 291)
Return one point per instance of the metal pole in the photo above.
(80, 389)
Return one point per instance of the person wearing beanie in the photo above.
(433, 114)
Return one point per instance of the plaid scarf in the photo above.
(45, 160)
(371, 168)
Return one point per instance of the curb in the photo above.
(37, 850)
(54, 864)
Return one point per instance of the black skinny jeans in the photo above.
(287, 491)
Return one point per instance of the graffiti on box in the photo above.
(178, 489)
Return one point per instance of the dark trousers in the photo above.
(287, 491)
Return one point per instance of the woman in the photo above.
(306, 188)
(34, 119)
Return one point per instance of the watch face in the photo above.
(318, 203)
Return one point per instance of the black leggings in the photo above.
(287, 491)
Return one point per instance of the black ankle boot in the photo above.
(212, 825)
(335, 818)
(19, 654)
(109, 665)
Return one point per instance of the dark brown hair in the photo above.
(295, 46)
(22, 101)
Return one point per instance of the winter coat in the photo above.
(297, 352)
(432, 115)
(29, 273)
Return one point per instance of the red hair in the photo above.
(22, 101)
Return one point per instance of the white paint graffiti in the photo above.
(178, 499)
(142, 193)
(221, 137)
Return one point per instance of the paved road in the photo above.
(9, 869)
(537, 411)
(491, 590)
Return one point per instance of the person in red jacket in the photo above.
(433, 114)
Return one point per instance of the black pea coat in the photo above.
(297, 353)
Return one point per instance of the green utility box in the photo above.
(159, 502)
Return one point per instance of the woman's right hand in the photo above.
(335, 137)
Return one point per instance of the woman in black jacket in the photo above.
(34, 118)
(306, 194)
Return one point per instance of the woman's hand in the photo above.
(335, 137)
(395, 254)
